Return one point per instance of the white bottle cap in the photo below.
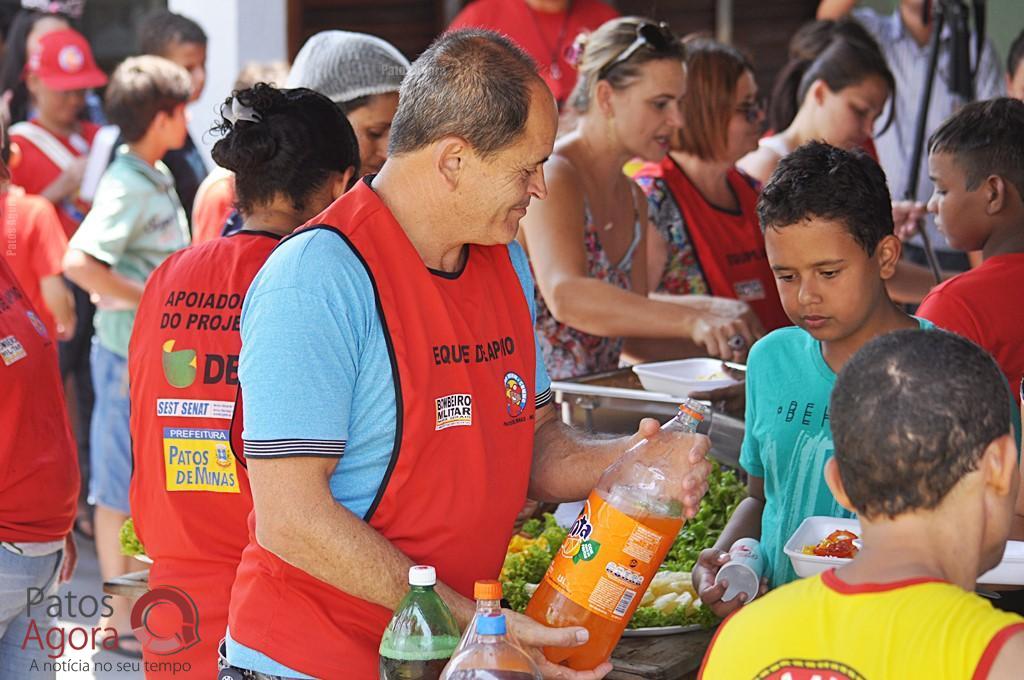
(422, 575)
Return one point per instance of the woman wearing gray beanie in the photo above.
(362, 74)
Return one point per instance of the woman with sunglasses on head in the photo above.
(838, 95)
(586, 239)
(704, 236)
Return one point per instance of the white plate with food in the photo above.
(814, 531)
(682, 376)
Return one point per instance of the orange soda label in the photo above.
(609, 558)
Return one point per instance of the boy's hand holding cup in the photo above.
(713, 590)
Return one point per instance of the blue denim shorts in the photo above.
(110, 457)
(17, 575)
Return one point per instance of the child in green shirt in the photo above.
(136, 221)
(827, 219)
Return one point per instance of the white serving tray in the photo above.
(682, 376)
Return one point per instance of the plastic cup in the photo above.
(743, 571)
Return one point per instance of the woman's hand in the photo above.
(907, 217)
(727, 329)
(710, 593)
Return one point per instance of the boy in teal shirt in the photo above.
(827, 220)
(136, 221)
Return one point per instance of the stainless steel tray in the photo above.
(615, 402)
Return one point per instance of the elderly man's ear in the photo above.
(450, 156)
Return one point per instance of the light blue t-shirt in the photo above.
(788, 438)
(316, 374)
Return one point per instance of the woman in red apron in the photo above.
(292, 152)
(706, 238)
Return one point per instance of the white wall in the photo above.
(239, 31)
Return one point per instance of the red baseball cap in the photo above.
(64, 61)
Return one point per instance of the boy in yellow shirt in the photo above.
(925, 456)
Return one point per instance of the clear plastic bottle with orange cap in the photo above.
(619, 540)
(491, 655)
(487, 594)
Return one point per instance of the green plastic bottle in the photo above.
(422, 635)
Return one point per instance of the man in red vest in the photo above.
(396, 411)
(190, 493)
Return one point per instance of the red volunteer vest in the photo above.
(462, 354)
(38, 466)
(729, 246)
(189, 492)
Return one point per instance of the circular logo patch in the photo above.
(70, 59)
(515, 394)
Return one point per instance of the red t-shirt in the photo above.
(545, 36)
(38, 466)
(983, 305)
(35, 171)
(34, 245)
(214, 202)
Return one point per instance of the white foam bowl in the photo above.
(1010, 571)
(682, 376)
(810, 532)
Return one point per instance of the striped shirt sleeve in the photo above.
(285, 448)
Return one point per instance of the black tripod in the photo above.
(955, 12)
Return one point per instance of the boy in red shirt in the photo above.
(976, 160)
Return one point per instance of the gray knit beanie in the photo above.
(344, 66)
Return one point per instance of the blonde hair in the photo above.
(595, 54)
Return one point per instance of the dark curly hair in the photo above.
(820, 180)
(301, 137)
(912, 413)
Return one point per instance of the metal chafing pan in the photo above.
(615, 402)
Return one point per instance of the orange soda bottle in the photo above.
(617, 543)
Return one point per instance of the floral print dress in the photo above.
(569, 352)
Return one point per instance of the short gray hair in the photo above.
(472, 84)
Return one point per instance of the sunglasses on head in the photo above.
(658, 37)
